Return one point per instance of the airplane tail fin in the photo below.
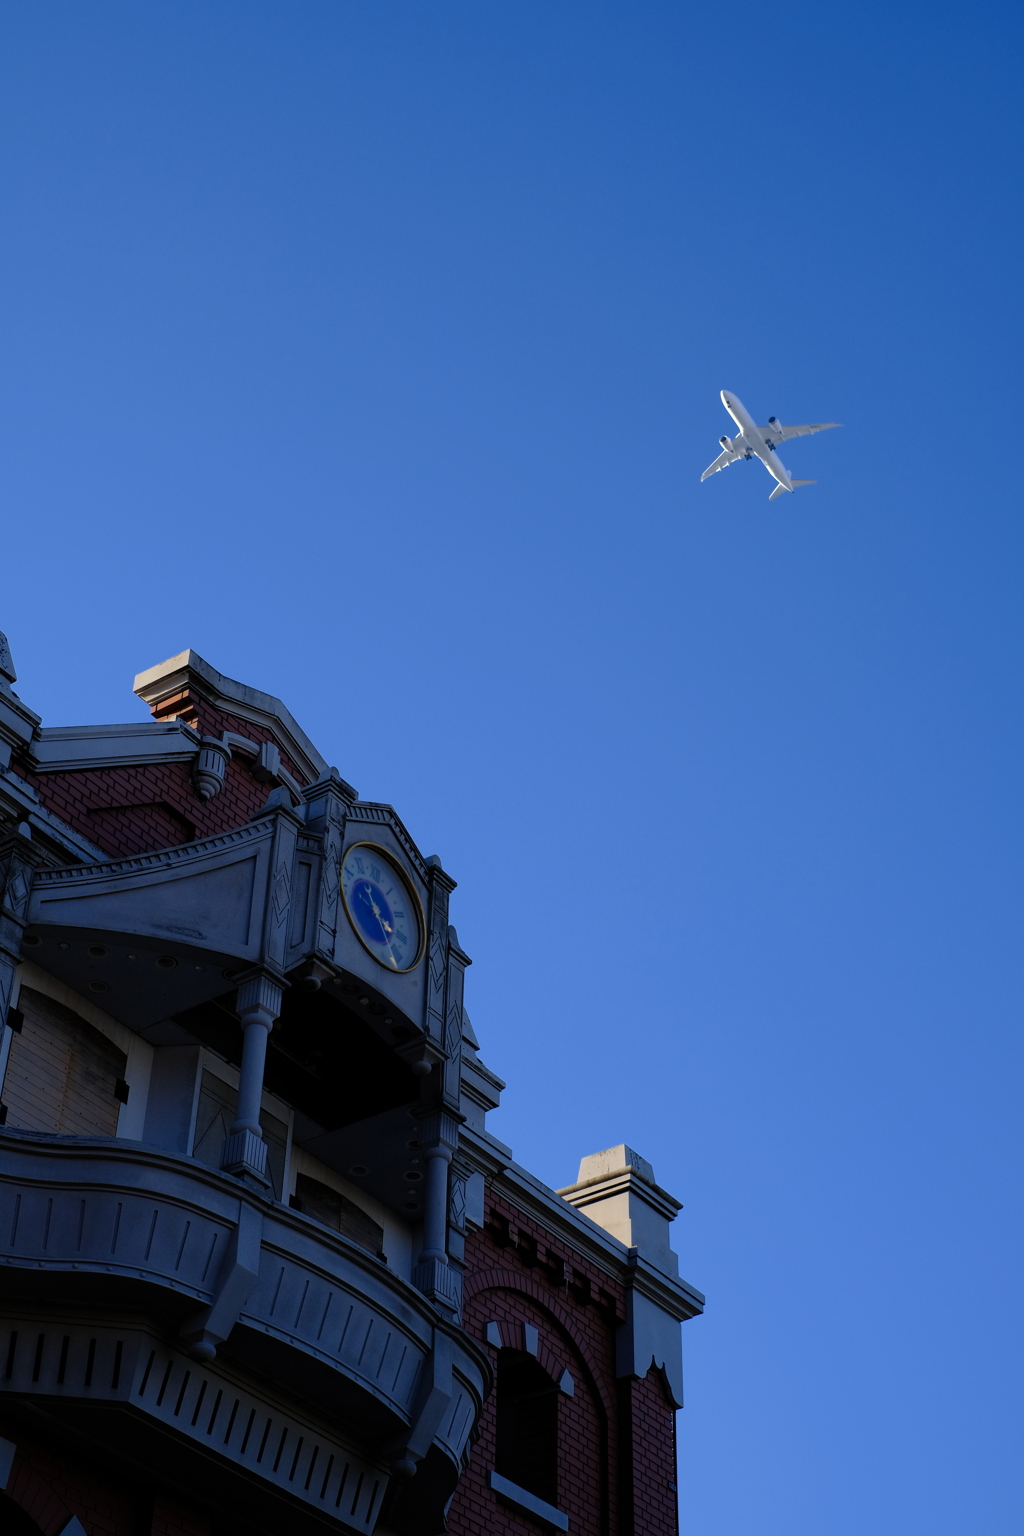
(793, 483)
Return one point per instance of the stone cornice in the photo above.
(622, 1181)
(189, 671)
(165, 858)
(676, 1297)
(66, 748)
(376, 812)
(521, 1189)
(549, 1210)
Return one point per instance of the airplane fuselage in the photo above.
(754, 442)
(750, 442)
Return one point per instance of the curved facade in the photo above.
(260, 1259)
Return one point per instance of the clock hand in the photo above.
(385, 928)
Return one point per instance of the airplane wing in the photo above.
(723, 461)
(775, 433)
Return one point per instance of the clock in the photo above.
(381, 907)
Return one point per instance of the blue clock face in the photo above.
(381, 908)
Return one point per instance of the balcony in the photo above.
(143, 1285)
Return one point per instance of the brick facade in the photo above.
(530, 1293)
(133, 810)
(52, 1486)
(616, 1439)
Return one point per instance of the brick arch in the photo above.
(581, 1360)
(510, 1280)
(553, 1364)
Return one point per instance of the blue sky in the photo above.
(373, 350)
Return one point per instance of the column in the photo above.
(244, 1152)
(435, 1204)
(433, 1274)
(19, 859)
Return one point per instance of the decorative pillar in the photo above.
(433, 1274)
(244, 1152)
(435, 1204)
(19, 860)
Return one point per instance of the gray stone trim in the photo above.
(164, 858)
(19, 802)
(189, 670)
(605, 1252)
(511, 1492)
(7, 672)
(676, 1297)
(76, 1206)
(376, 812)
(18, 723)
(64, 748)
(213, 1407)
(590, 1191)
(535, 1199)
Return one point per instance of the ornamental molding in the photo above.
(189, 671)
(509, 1280)
(165, 859)
(379, 814)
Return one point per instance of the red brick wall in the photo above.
(648, 1466)
(51, 1486)
(133, 810)
(176, 1517)
(616, 1439)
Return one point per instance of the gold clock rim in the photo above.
(389, 859)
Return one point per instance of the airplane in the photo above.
(761, 442)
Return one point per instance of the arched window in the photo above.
(527, 1428)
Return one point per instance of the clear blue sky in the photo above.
(373, 350)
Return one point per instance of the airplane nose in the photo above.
(725, 397)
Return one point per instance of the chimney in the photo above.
(616, 1188)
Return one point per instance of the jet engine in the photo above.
(773, 421)
(726, 443)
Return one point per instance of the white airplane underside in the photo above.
(757, 442)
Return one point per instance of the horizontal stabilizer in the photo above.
(778, 491)
(795, 483)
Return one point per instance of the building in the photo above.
(262, 1266)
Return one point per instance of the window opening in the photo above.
(335, 1210)
(218, 1105)
(527, 1429)
(62, 1073)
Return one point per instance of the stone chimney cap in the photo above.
(601, 1165)
(617, 1170)
(189, 670)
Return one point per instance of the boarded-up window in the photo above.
(218, 1105)
(336, 1211)
(62, 1074)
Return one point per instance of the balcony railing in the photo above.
(134, 1276)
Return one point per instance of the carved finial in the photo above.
(6, 664)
